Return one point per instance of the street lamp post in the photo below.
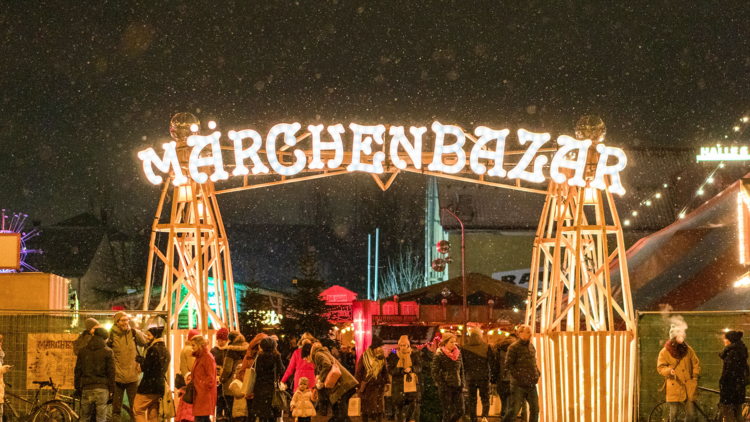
(465, 309)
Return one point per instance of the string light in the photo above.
(455, 148)
(288, 130)
(413, 150)
(579, 165)
(199, 142)
(478, 151)
(168, 161)
(360, 145)
(519, 171)
(252, 153)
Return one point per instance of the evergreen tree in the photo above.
(253, 305)
(304, 310)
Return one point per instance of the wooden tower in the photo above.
(583, 322)
(194, 262)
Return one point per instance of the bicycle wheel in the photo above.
(52, 412)
(660, 413)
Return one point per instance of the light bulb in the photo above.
(212, 125)
(194, 128)
(413, 150)
(635, 213)
(441, 149)
(648, 203)
(658, 195)
(710, 180)
(579, 165)
(700, 191)
(477, 151)
(627, 222)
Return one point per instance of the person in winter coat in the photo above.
(733, 373)
(95, 375)
(204, 380)
(301, 368)
(268, 370)
(680, 367)
(524, 375)
(233, 355)
(219, 352)
(372, 375)
(302, 405)
(83, 339)
(239, 407)
(448, 373)
(344, 388)
(155, 367)
(184, 411)
(405, 362)
(500, 375)
(247, 362)
(478, 362)
(3, 370)
(186, 358)
(123, 340)
(348, 358)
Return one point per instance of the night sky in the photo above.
(86, 86)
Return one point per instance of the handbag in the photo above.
(280, 398)
(189, 396)
(250, 377)
(355, 406)
(410, 383)
(166, 403)
(333, 376)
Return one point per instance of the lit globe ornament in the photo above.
(181, 126)
(591, 127)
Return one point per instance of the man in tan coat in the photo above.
(680, 367)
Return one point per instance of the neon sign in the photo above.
(719, 153)
(369, 147)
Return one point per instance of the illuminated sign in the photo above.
(719, 153)
(369, 147)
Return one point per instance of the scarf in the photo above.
(677, 350)
(404, 359)
(373, 365)
(453, 355)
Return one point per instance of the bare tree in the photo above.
(403, 274)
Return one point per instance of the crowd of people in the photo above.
(240, 381)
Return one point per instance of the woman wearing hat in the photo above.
(204, 380)
(448, 373)
(404, 363)
(155, 366)
(680, 367)
(268, 370)
(733, 373)
(372, 374)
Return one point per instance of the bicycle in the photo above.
(660, 412)
(55, 410)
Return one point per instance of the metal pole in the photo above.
(463, 270)
(377, 249)
(369, 263)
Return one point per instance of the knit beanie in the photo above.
(268, 344)
(119, 315)
(101, 332)
(304, 381)
(157, 332)
(404, 340)
(446, 336)
(377, 342)
(222, 334)
(733, 336)
(90, 323)
(233, 335)
(192, 333)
